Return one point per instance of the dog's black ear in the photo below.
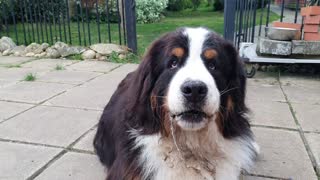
(234, 121)
(140, 107)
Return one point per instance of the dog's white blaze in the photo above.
(194, 69)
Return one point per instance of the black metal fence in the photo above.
(77, 22)
(245, 20)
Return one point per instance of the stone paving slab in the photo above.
(283, 155)
(265, 92)
(48, 64)
(5, 83)
(9, 109)
(303, 94)
(18, 74)
(270, 113)
(93, 66)
(9, 60)
(74, 166)
(314, 142)
(94, 94)
(32, 92)
(49, 125)
(308, 116)
(19, 161)
(68, 77)
(86, 143)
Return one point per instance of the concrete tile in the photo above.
(308, 116)
(32, 92)
(93, 66)
(265, 92)
(5, 83)
(299, 80)
(86, 143)
(271, 113)
(8, 109)
(10, 60)
(303, 94)
(68, 77)
(48, 64)
(18, 74)
(19, 161)
(94, 94)
(282, 155)
(314, 142)
(49, 125)
(261, 78)
(73, 166)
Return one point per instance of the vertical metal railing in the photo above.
(77, 22)
(245, 20)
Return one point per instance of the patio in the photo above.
(47, 126)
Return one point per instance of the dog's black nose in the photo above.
(194, 91)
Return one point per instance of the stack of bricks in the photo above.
(311, 23)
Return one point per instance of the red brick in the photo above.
(287, 25)
(311, 10)
(311, 28)
(311, 36)
(312, 19)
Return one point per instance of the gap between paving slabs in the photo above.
(301, 132)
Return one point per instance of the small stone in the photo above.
(43, 54)
(59, 45)
(273, 47)
(107, 49)
(102, 58)
(306, 47)
(52, 53)
(67, 51)
(6, 43)
(88, 54)
(32, 48)
(98, 55)
(30, 54)
(44, 46)
(18, 50)
(7, 52)
(122, 56)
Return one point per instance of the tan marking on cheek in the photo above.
(230, 104)
(210, 54)
(179, 52)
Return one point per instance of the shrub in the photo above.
(178, 5)
(195, 4)
(218, 5)
(149, 11)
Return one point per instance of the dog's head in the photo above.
(189, 77)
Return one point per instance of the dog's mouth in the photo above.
(192, 116)
(192, 119)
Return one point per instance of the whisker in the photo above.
(223, 92)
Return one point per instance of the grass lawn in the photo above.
(146, 33)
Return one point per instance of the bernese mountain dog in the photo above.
(181, 115)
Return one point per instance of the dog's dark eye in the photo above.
(174, 63)
(211, 66)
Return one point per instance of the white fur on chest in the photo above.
(206, 155)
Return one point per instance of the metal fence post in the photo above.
(229, 19)
(130, 19)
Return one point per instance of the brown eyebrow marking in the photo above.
(178, 51)
(210, 53)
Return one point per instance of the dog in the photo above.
(180, 115)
